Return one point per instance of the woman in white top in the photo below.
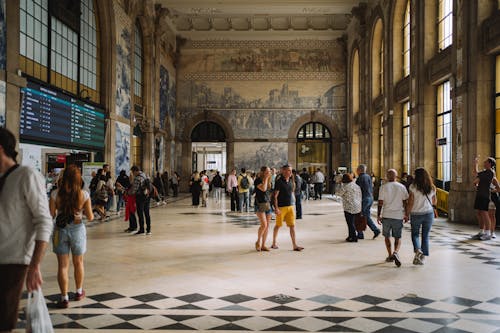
(350, 193)
(67, 205)
(420, 208)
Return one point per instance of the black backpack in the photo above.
(244, 183)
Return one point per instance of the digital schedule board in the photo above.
(54, 118)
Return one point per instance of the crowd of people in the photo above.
(30, 221)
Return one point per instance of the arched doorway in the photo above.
(208, 147)
(314, 146)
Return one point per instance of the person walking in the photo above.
(68, 204)
(24, 232)
(195, 189)
(263, 206)
(158, 184)
(364, 181)
(420, 209)
(232, 189)
(244, 182)
(306, 177)
(165, 181)
(205, 188)
(318, 179)
(175, 183)
(351, 196)
(392, 201)
(283, 207)
(298, 194)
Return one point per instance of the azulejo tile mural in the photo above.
(123, 70)
(253, 155)
(167, 100)
(122, 147)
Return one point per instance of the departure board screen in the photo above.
(52, 117)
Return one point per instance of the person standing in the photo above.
(165, 180)
(24, 232)
(142, 188)
(318, 179)
(205, 188)
(263, 209)
(483, 180)
(101, 198)
(232, 188)
(175, 183)
(298, 194)
(122, 184)
(364, 181)
(351, 196)
(244, 182)
(195, 189)
(307, 180)
(217, 186)
(420, 209)
(283, 192)
(158, 183)
(392, 201)
(70, 202)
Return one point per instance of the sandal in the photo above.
(274, 247)
(264, 249)
(257, 247)
(298, 248)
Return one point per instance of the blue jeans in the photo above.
(298, 206)
(119, 202)
(349, 218)
(425, 221)
(143, 213)
(366, 205)
(244, 201)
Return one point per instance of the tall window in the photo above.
(138, 65)
(445, 23)
(444, 143)
(377, 59)
(73, 64)
(406, 40)
(406, 138)
(497, 108)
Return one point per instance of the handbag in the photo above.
(37, 314)
(264, 207)
(360, 222)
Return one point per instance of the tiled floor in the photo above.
(200, 272)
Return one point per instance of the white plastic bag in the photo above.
(37, 314)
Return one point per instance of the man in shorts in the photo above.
(284, 209)
(25, 228)
(391, 213)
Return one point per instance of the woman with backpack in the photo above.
(68, 204)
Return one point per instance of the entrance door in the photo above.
(209, 150)
(314, 149)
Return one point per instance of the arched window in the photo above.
(138, 61)
(406, 40)
(208, 131)
(445, 23)
(377, 59)
(313, 131)
(73, 64)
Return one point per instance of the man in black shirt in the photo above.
(283, 205)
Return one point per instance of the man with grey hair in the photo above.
(391, 213)
(365, 182)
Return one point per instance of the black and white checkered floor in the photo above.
(195, 292)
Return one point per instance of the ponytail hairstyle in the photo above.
(423, 181)
(68, 193)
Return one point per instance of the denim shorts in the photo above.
(394, 225)
(72, 237)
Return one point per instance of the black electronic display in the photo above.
(52, 117)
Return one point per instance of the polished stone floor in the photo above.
(199, 271)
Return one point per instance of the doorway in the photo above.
(314, 149)
(208, 149)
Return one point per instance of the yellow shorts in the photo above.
(287, 215)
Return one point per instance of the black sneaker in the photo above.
(397, 261)
(389, 259)
(376, 233)
(139, 232)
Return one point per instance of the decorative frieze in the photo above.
(266, 76)
(257, 44)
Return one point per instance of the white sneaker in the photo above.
(485, 237)
(493, 235)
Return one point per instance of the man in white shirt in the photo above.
(391, 213)
(25, 228)
(318, 179)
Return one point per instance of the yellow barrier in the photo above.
(442, 200)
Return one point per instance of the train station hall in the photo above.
(301, 165)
